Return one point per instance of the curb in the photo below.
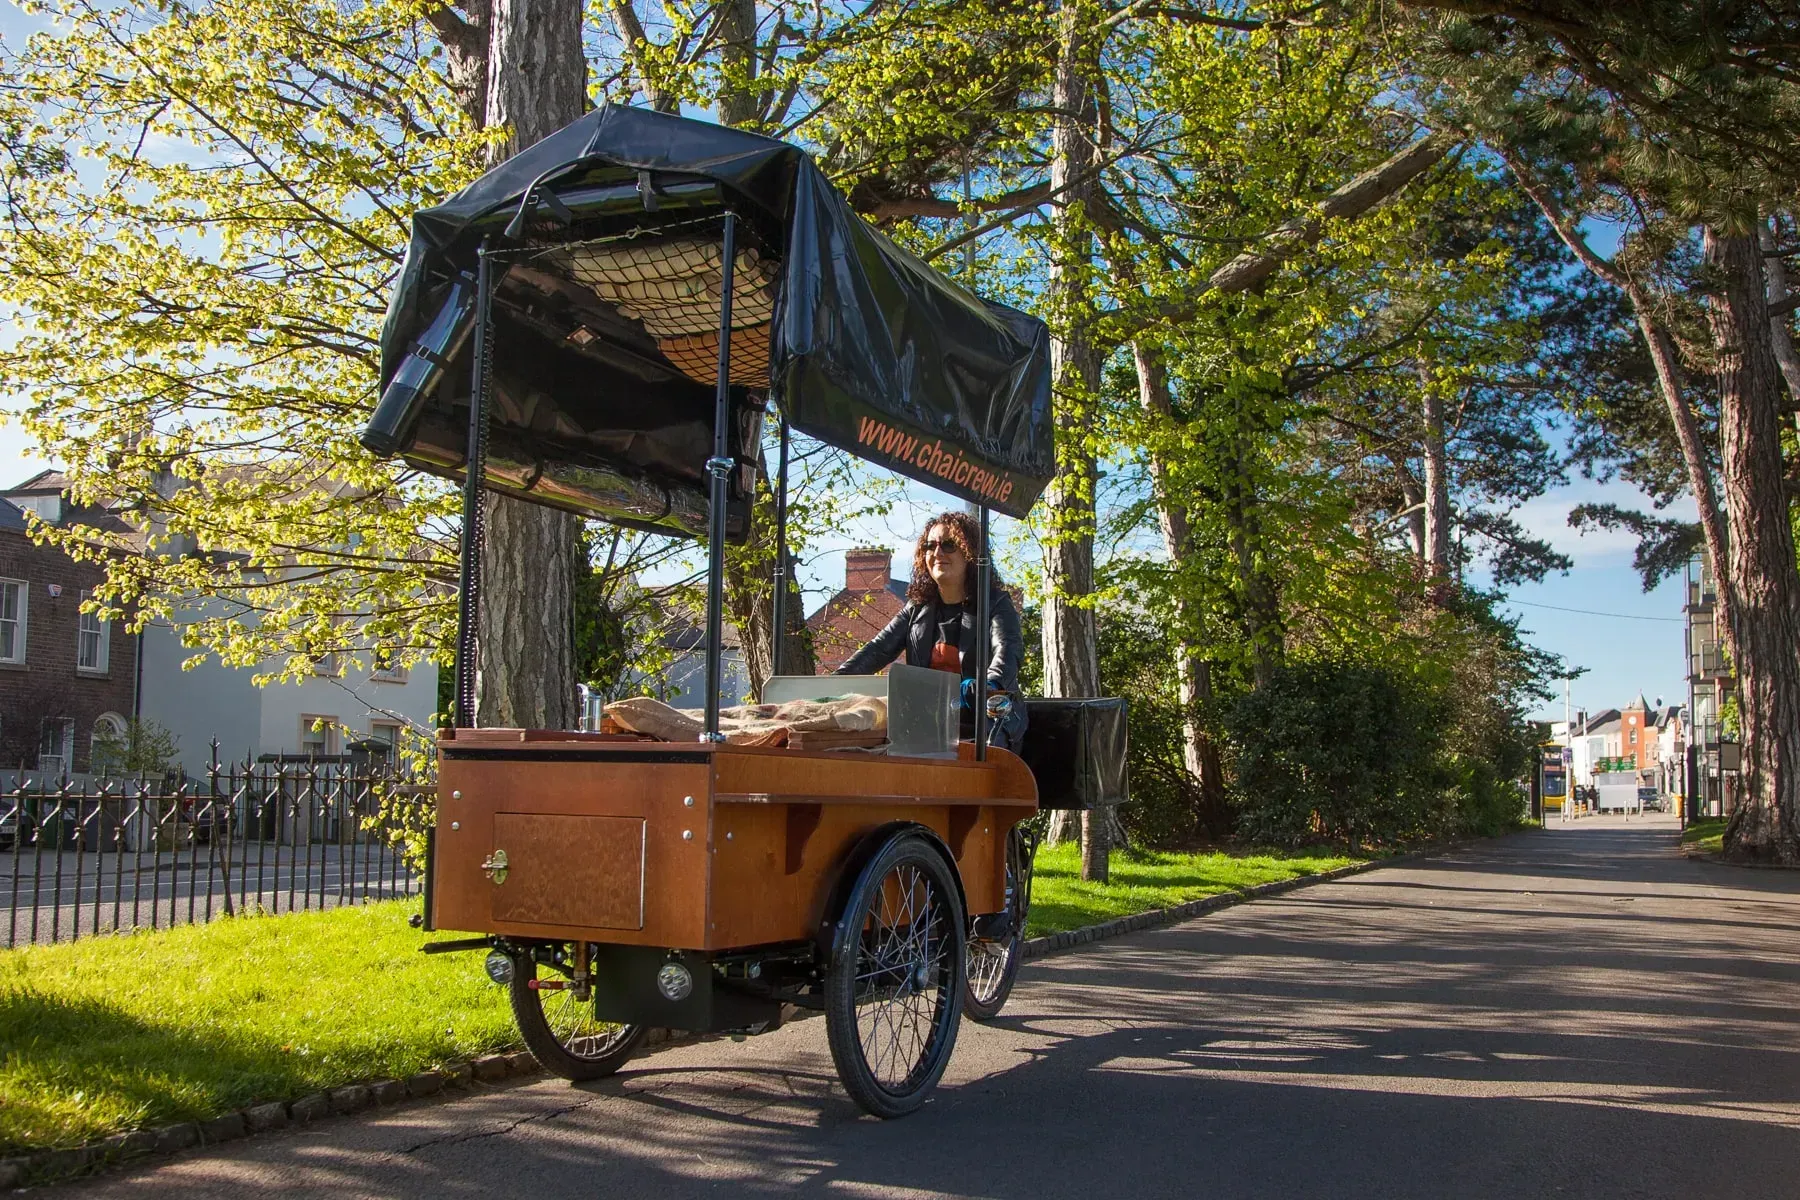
(58, 1166)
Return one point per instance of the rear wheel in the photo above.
(993, 963)
(562, 1032)
(894, 993)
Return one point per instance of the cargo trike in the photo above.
(603, 324)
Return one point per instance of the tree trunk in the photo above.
(637, 51)
(1193, 673)
(1762, 573)
(1437, 481)
(1669, 381)
(1257, 596)
(1071, 644)
(1415, 512)
(464, 37)
(536, 83)
(1663, 357)
(740, 100)
(1781, 340)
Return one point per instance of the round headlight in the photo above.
(500, 967)
(674, 981)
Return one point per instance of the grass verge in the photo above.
(1705, 836)
(133, 1032)
(1147, 879)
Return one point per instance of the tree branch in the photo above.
(1367, 191)
(931, 206)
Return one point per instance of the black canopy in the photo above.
(606, 317)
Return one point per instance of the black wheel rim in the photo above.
(904, 971)
(575, 1027)
(987, 966)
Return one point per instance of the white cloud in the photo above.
(1547, 517)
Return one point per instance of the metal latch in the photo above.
(495, 866)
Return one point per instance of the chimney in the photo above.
(866, 569)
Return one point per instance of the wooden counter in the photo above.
(689, 845)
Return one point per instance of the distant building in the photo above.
(107, 674)
(1599, 737)
(1710, 684)
(869, 599)
(66, 677)
(1671, 750)
(685, 682)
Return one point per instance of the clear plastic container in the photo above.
(922, 704)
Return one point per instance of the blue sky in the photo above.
(1635, 643)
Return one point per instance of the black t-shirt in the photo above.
(949, 618)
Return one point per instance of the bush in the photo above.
(1347, 751)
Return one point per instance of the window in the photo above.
(107, 747)
(56, 745)
(318, 735)
(91, 638)
(12, 620)
(386, 669)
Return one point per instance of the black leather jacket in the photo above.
(914, 632)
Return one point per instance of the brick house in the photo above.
(64, 675)
(1637, 734)
(870, 598)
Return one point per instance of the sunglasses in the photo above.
(945, 545)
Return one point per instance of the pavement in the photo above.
(1580, 1011)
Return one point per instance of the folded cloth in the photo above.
(751, 724)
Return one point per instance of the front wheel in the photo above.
(562, 1032)
(893, 997)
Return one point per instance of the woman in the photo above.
(937, 627)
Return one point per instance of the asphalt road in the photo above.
(1579, 1012)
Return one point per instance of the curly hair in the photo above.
(966, 533)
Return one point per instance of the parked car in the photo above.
(1651, 800)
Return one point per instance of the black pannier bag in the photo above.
(1076, 749)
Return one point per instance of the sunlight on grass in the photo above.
(1706, 836)
(1149, 879)
(130, 1032)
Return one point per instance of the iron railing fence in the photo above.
(84, 857)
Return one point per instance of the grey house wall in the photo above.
(199, 705)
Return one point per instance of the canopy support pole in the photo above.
(718, 469)
(984, 581)
(468, 588)
(781, 580)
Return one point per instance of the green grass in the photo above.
(1707, 836)
(133, 1032)
(1147, 879)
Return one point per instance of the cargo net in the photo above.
(673, 287)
